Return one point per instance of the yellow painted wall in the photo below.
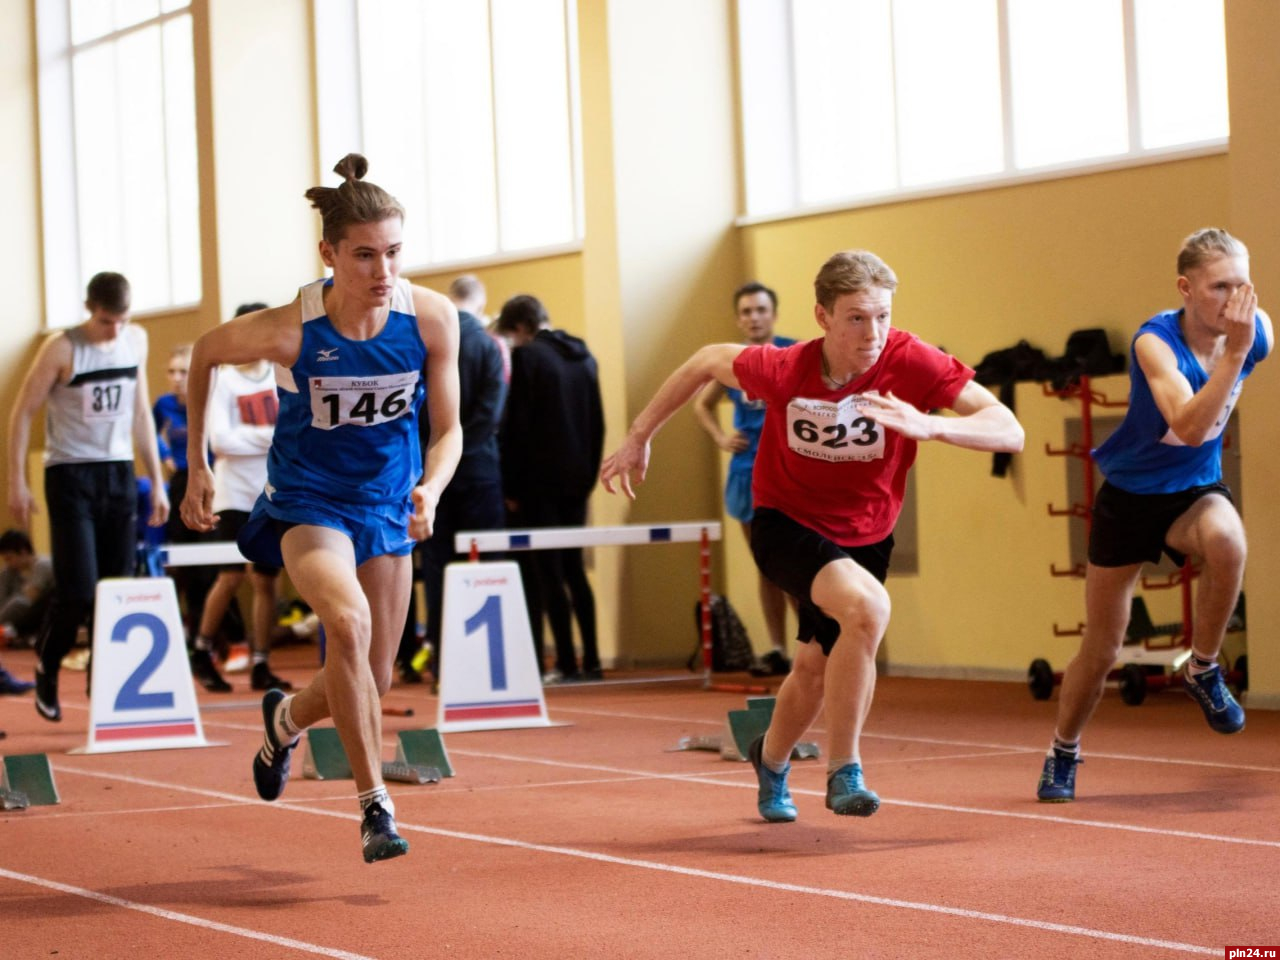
(19, 240)
(556, 280)
(1253, 36)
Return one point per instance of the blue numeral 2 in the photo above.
(131, 696)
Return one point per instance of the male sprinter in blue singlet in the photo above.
(1164, 489)
(347, 491)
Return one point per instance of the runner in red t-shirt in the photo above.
(844, 414)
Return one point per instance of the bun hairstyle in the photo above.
(354, 202)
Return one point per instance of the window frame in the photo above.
(1009, 174)
(340, 129)
(63, 271)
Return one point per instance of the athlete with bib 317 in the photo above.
(844, 414)
(347, 493)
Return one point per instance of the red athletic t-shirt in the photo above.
(823, 461)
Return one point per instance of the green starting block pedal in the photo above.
(745, 725)
(325, 759)
(424, 748)
(28, 777)
(420, 757)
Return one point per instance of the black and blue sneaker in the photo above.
(1058, 778)
(847, 794)
(774, 798)
(1220, 708)
(378, 835)
(271, 763)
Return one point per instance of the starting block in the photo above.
(424, 748)
(742, 727)
(420, 757)
(27, 780)
(326, 759)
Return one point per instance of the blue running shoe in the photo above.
(9, 684)
(1220, 708)
(848, 796)
(1058, 779)
(271, 763)
(774, 799)
(378, 835)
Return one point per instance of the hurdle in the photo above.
(475, 542)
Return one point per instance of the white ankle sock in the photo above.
(286, 730)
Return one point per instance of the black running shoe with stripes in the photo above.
(271, 763)
(378, 835)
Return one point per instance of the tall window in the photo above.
(118, 151)
(848, 100)
(468, 113)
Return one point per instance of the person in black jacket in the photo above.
(552, 440)
(473, 499)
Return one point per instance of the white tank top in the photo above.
(89, 419)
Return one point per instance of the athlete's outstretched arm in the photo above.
(630, 461)
(982, 423)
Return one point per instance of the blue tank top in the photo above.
(1144, 455)
(748, 419)
(347, 429)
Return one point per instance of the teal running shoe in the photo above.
(848, 796)
(774, 799)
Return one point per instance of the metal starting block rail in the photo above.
(475, 542)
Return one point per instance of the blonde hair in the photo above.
(851, 271)
(354, 202)
(1205, 245)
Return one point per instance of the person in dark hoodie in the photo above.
(473, 500)
(552, 441)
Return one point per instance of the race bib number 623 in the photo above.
(833, 431)
(361, 401)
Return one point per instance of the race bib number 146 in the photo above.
(361, 401)
(833, 431)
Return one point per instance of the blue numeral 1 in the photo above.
(131, 696)
(490, 617)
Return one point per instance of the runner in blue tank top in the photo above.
(1164, 491)
(347, 492)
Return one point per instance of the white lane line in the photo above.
(287, 942)
(975, 811)
(937, 741)
(738, 879)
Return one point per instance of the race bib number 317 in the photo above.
(833, 431)
(361, 401)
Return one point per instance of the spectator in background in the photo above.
(551, 441)
(242, 420)
(756, 308)
(26, 584)
(473, 499)
(170, 415)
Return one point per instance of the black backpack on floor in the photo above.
(730, 646)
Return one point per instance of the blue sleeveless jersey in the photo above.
(1144, 455)
(748, 419)
(347, 429)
